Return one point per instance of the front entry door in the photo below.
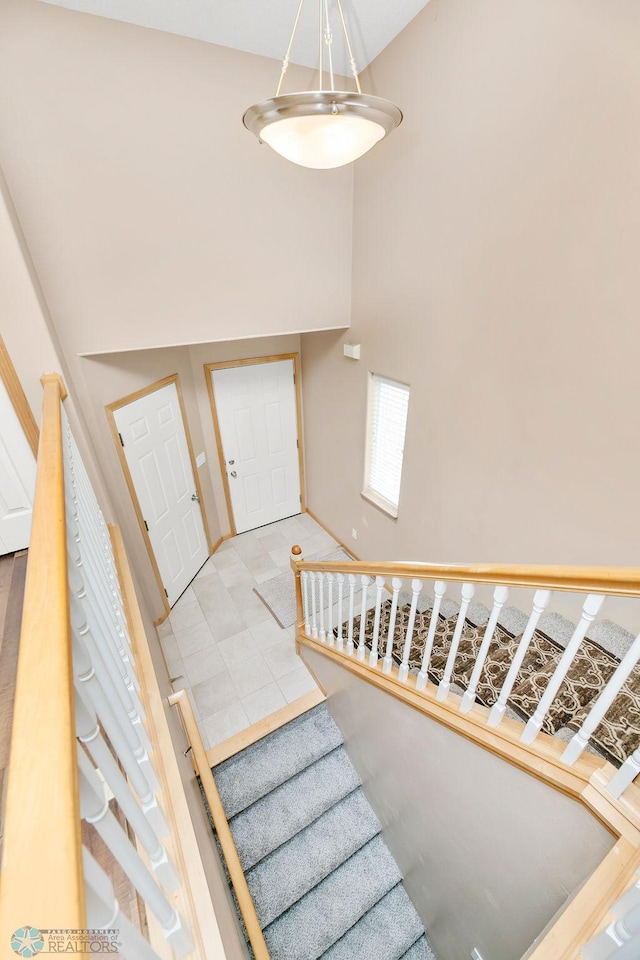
(17, 479)
(257, 419)
(155, 447)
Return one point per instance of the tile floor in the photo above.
(232, 656)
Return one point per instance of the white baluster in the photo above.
(403, 673)
(92, 539)
(340, 640)
(610, 942)
(373, 655)
(590, 610)
(87, 541)
(103, 913)
(88, 732)
(387, 663)
(88, 544)
(314, 617)
(110, 680)
(444, 686)
(321, 578)
(625, 775)
(304, 576)
(352, 590)
(439, 590)
(500, 595)
(629, 899)
(81, 596)
(94, 808)
(628, 951)
(331, 638)
(580, 740)
(140, 773)
(541, 600)
(364, 583)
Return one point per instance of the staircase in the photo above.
(604, 645)
(323, 882)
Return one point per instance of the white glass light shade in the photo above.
(322, 142)
(322, 128)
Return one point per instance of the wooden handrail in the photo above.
(615, 581)
(42, 879)
(203, 770)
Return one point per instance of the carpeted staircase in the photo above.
(617, 736)
(322, 880)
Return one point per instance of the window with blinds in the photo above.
(386, 427)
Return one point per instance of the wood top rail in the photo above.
(203, 770)
(42, 879)
(615, 581)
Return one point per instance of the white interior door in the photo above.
(155, 447)
(257, 417)
(17, 479)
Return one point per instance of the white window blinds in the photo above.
(387, 423)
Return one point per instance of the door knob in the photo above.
(194, 496)
(231, 462)
(233, 473)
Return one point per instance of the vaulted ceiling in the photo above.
(264, 28)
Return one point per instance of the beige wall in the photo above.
(27, 330)
(110, 378)
(146, 216)
(495, 271)
(152, 216)
(488, 853)
(105, 379)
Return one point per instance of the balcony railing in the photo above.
(90, 740)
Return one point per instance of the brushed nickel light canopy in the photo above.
(322, 128)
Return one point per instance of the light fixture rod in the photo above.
(285, 61)
(320, 45)
(328, 39)
(351, 57)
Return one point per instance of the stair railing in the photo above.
(81, 734)
(377, 581)
(599, 923)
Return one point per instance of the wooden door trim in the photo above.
(225, 364)
(110, 409)
(18, 399)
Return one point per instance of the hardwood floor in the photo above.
(13, 569)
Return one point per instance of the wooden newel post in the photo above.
(296, 558)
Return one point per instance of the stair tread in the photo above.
(288, 873)
(419, 951)
(292, 806)
(325, 914)
(385, 932)
(513, 620)
(557, 627)
(260, 768)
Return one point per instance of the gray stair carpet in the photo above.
(419, 951)
(321, 877)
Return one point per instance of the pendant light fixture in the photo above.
(322, 128)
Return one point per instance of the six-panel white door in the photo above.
(257, 418)
(155, 447)
(17, 479)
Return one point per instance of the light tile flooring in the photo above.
(232, 656)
